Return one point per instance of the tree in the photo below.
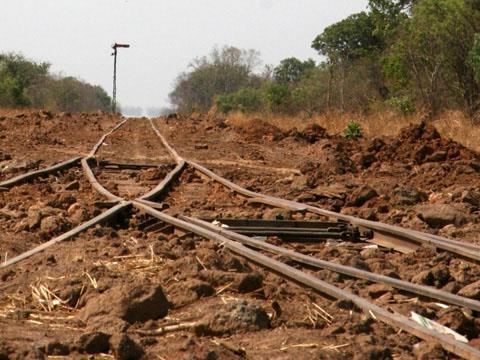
(27, 83)
(434, 55)
(291, 70)
(349, 39)
(16, 75)
(224, 71)
(244, 100)
(346, 42)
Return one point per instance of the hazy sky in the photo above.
(75, 36)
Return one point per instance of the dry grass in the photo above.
(456, 126)
(453, 124)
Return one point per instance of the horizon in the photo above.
(77, 44)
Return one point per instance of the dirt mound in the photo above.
(312, 133)
(421, 143)
(258, 129)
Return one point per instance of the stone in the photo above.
(475, 165)
(471, 197)
(94, 343)
(407, 195)
(202, 289)
(422, 153)
(130, 302)
(237, 317)
(249, 282)
(471, 291)
(377, 290)
(50, 224)
(361, 195)
(57, 349)
(440, 215)
(79, 216)
(124, 348)
(424, 278)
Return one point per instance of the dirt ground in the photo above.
(135, 288)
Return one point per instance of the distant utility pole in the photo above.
(114, 54)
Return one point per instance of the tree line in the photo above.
(26, 83)
(399, 54)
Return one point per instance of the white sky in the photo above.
(75, 36)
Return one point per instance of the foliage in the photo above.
(353, 131)
(244, 100)
(406, 54)
(224, 71)
(17, 74)
(27, 83)
(349, 39)
(292, 69)
(402, 104)
(436, 52)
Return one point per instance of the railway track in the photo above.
(121, 185)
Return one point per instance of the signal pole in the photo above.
(114, 54)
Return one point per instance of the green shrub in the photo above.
(277, 94)
(353, 131)
(244, 100)
(402, 104)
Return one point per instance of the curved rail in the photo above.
(377, 312)
(95, 184)
(165, 183)
(225, 238)
(93, 152)
(421, 290)
(69, 234)
(42, 172)
(464, 250)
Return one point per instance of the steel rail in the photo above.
(69, 234)
(396, 320)
(93, 152)
(171, 150)
(165, 183)
(402, 238)
(455, 247)
(42, 172)
(119, 203)
(95, 184)
(421, 290)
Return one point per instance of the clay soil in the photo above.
(134, 288)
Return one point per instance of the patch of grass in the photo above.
(353, 131)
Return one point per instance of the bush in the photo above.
(244, 100)
(353, 131)
(26, 83)
(402, 104)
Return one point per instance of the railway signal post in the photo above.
(114, 54)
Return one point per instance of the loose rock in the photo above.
(440, 215)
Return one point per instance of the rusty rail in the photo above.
(165, 183)
(171, 150)
(42, 172)
(93, 152)
(68, 235)
(400, 239)
(95, 184)
(421, 290)
(467, 251)
(379, 313)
